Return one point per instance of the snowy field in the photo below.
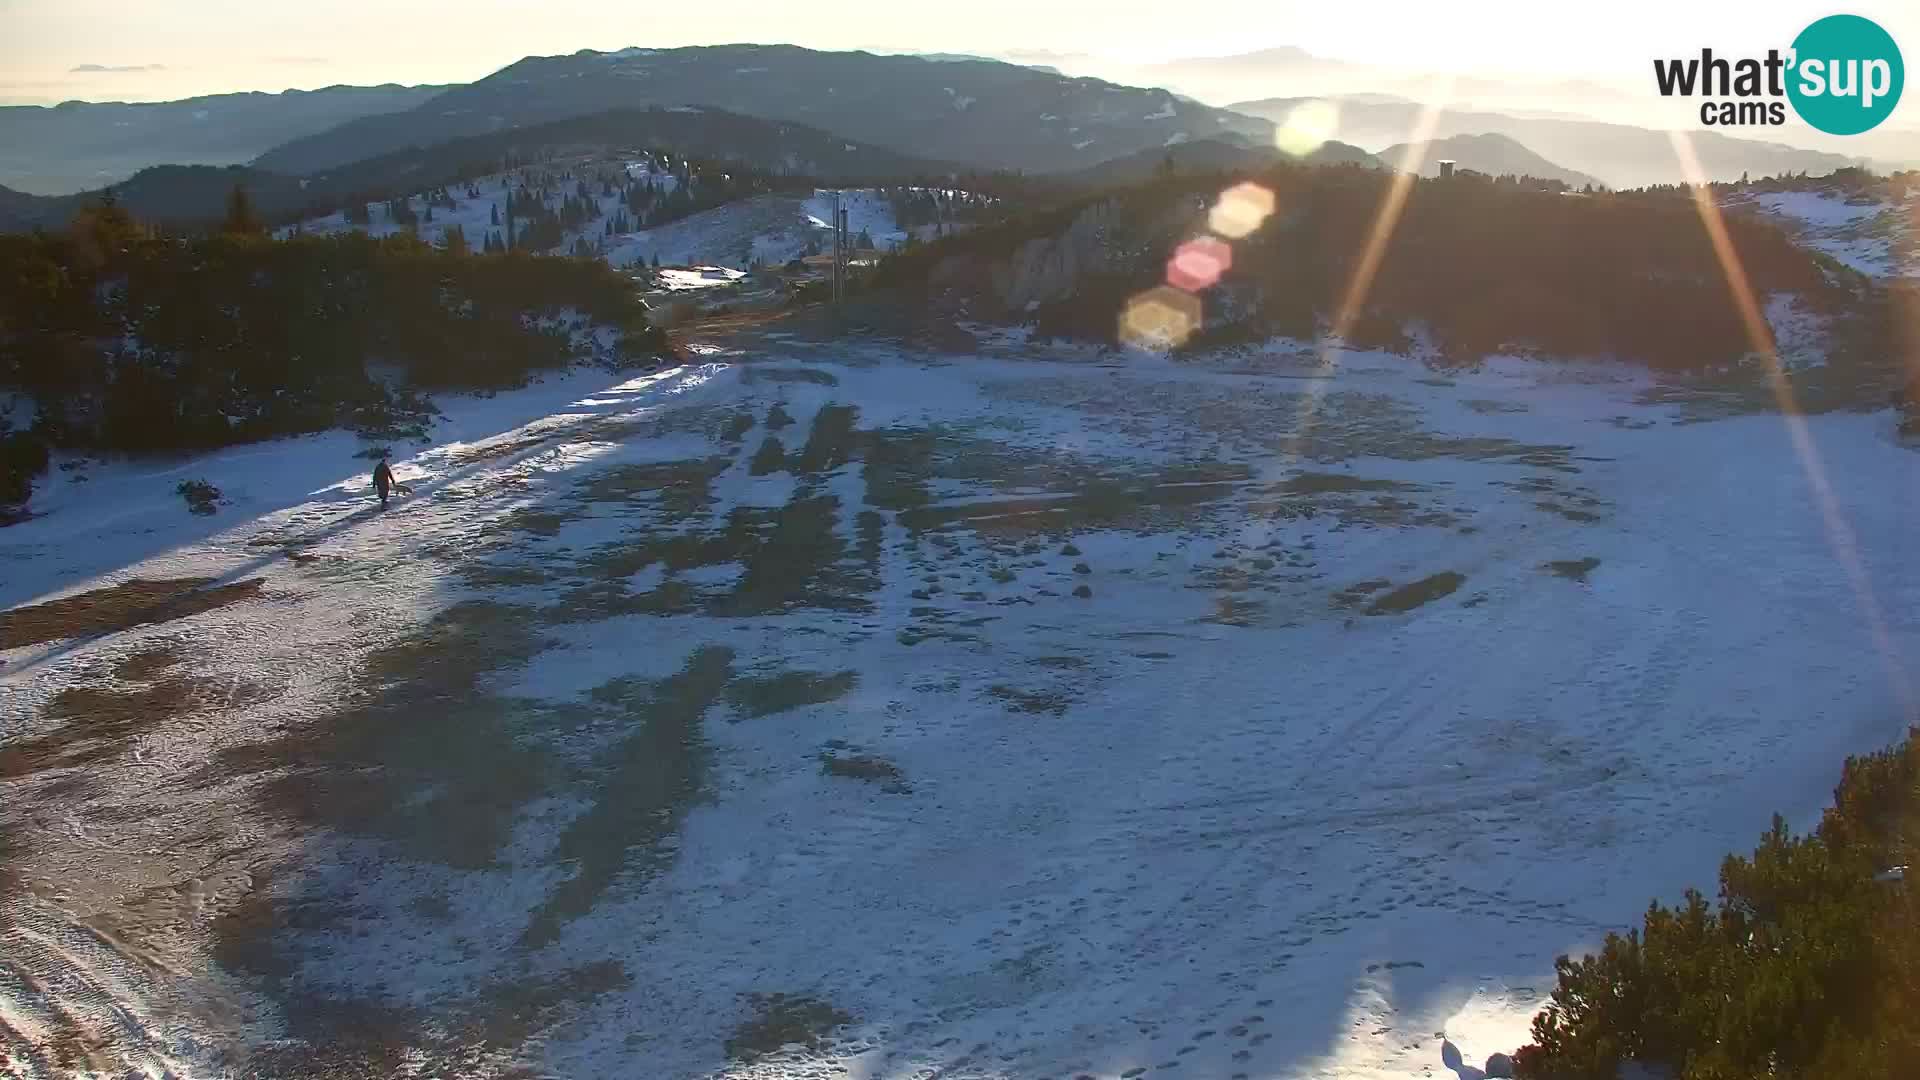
(842, 712)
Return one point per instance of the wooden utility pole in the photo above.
(846, 249)
(835, 291)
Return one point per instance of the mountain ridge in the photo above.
(196, 194)
(76, 145)
(1622, 155)
(1487, 152)
(991, 114)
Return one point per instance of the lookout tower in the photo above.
(1446, 168)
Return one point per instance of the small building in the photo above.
(1446, 168)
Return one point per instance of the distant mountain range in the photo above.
(1629, 100)
(1208, 155)
(1621, 155)
(1495, 155)
(943, 112)
(191, 194)
(1287, 71)
(79, 145)
(984, 112)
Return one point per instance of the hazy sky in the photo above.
(54, 50)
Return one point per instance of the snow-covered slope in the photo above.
(770, 229)
(992, 715)
(1872, 235)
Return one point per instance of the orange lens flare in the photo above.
(1241, 209)
(1760, 338)
(1353, 300)
(1160, 319)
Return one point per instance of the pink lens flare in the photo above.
(1198, 264)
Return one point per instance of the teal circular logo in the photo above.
(1846, 75)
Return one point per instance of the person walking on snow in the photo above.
(382, 481)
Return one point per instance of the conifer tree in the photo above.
(240, 216)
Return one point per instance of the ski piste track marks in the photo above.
(1299, 847)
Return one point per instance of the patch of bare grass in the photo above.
(1354, 594)
(139, 602)
(788, 690)
(844, 761)
(1414, 594)
(99, 723)
(781, 1020)
(646, 786)
(1572, 569)
(1032, 701)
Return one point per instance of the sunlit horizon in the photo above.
(107, 50)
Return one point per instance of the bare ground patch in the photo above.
(830, 441)
(1115, 503)
(790, 557)
(429, 758)
(1561, 497)
(1321, 483)
(422, 754)
(138, 602)
(1572, 569)
(788, 690)
(737, 424)
(676, 489)
(480, 1034)
(781, 1020)
(96, 724)
(1571, 513)
(1414, 594)
(842, 760)
(1355, 594)
(1353, 500)
(647, 784)
(1021, 699)
(771, 457)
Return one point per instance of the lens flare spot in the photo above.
(1307, 127)
(1240, 210)
(1198, 264)
(1160, 319)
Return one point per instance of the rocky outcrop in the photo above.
(1045, 269)
(1103, 238)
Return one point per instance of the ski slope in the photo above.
(623, 724)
